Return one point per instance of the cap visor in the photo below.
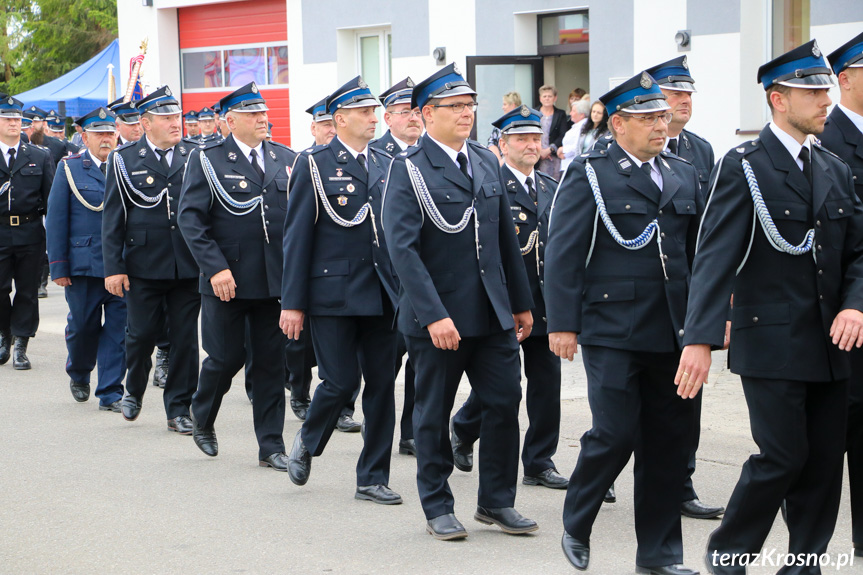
(811, 81)
(258, 107)
(656, 105)
(100, 129)
(166, 110)
(523, 130)
(679, 86)
(364, 103)
(323, 118)
(11, 114)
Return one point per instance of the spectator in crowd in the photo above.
(571, 147)
(511, 100)
(595, 127)
(554, 126)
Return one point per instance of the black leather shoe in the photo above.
(697, 510)
(407, 447)
(115, 407)
(549, 478)
(80, 391)
(278, 461)
(380, 494)
(610, 495)
(181, 424)
(160, 372)
(19, 353)
(446, 528)
(299, 461)
(205, 439)
(348, 424)
(507, 518)
(666, 570)
(131, 406)
(576, 552)
(462, 454)
(300, 407)
(5, 347)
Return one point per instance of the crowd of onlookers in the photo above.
(563, 138)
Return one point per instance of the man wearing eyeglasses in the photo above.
(617, 265)
(464, 303)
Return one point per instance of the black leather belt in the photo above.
(17, 220)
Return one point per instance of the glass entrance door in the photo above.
(494, 76)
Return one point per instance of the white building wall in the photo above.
(162, 61)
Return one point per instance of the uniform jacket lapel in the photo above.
(643, 186)
(90, 165)
(179, 159)
(545, 195)
(439, 159)
(521, 196)
(150, 158)
(478, 172)
(782, 160)
(272, 164)
(822, 181)
(21, 158)
(376, 171)
(239, 163)
(346, 160)
(670, 183)
(852, 135)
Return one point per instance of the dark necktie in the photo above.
(530, 191)
(361, 158)
(11, 161)
(253, 156)
(672, 145)
(462, 164)
(807, 164)
(104, 168)
(163, 159)
(645, 167)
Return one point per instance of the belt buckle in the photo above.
(14, 220)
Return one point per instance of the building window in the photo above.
(374, 55)
(563, 33)
(231, 67)
(790, 23)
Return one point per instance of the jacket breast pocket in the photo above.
(31, 171)
(761, 336)
(450, 202)
(328, 284)
(281, 186)
(838, 212)
(608, 309)
(703, 175)
(78, 254)
(623, 206)
(492, 193)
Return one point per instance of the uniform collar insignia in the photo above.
(390, 146)
(664, 163)
(624, 163)
(142, 152)
(182, 150)
(232, 156)
(272, 154)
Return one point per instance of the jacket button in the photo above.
(662, 235)
(755, 319)
(266, 207)
(326, 270)
(605, 296)
(820, 272)
(660, 212)
(820, 297)
(173, 214)
(370, 198)
(545, 320)
(169, 185)
(447, 196)
(819, 247)
(541, 244)
(817, 223)
(173, 227)
(787, 212)
(628, 207)
(541, 264)
(841, 211)
(482, 272)
(680, 333)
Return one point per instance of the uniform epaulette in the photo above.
(316, 149)
(744, 148)
(603, 153)
(280, 145)
(73, 156)
(543, 174)
(208, 145)
(381, 152)
(191, 141)
(666, 154)
(696, 136)
(817, 143)
(126, 145)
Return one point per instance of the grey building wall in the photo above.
(713, 17)
(823, 12)
(320, 22)
(611, 43)
(494, 22)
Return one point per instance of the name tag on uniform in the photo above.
(234, 177)
(515, 208)
(340, 179)
(140, 173)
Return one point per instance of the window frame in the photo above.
(561, 49)
(222, 49)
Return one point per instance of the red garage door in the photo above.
(225, 46)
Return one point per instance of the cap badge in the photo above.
(254, 88)
(150, 179)
(142, 152)
(32, 108)
(272, 154)
(11, 101)
(362, 84)
(409, 83)
(685, 63)
(243, 184)
(455, 70)
(350, 188)
(816, 51)
(232, 156)
(343, 200)
(522, 216)
(646, 82)
(525, 111)
(102, 114)
(168, 91)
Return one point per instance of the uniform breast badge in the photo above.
(150, 179)
(522, 216)
(351, 188)
(343, 200)
(243, 184)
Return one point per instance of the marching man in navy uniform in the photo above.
(530, 195)
(26, 173)
(128, 121)
(74, 228)
(55, 127)
(784, 232)
(464, 302)
(147, 260)
(208, 125)
(843, 135)
(193, 131)
(232, 213)
(617, 265)
(338, 271)
(405, 128)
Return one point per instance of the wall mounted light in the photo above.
(683, 38)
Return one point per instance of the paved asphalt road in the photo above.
(82, 491)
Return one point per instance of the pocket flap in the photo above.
(791, 211)
(837, 209)
(80, 241)
(136, 237)
(623, 206)
(31, 171)
(330, 268)
(610, 291)
(684, 206)
(282, 185)
(755, 315)
(446, 195)
(491, 190)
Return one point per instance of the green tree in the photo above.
(50, 37)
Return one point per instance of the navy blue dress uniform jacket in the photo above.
(146, 242)
(624, 301)
(481, 295)
(331, 270)
(220, 240)
(783, 304)
(528, 216)
(844, 139)
(58, 148)
(387, 144)
(31, 177)
(75, 231)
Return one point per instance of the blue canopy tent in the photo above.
(78, 91)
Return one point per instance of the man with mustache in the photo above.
(74, 229)
(147, 259)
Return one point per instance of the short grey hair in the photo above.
(582, 107)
